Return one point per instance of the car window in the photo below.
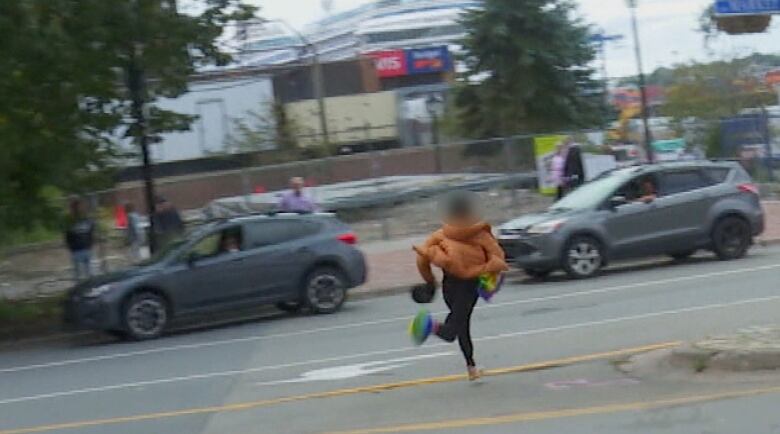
(272, 232)
(208, 246)
(228, 240)
(636, 188)
(681, 181)
(717, 175)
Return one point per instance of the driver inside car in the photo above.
(230, 244)
(648, 191)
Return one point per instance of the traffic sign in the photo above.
(747, 7)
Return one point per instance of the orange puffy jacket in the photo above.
(464, 251)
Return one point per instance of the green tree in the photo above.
(65, 78)
(263, 128)
(528, 69)
(714, 90)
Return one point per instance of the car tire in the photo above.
(145, 316)
(289, 306)
(682, 256)
(731, 238)
(583, 257)
(537, 273)
(325, 290)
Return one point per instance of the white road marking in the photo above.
(383, 352)
(606, 290)
(345, 372)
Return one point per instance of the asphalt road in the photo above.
(357, 371)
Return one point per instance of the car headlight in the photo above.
(547, 227)
(98, 291)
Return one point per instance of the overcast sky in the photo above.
(668, 29)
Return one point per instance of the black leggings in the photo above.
(461, 297)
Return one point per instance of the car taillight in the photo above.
(348, 238)
(748, 188)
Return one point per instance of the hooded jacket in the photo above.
(465, 251)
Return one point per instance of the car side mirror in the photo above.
(192, 259)
(617, 201)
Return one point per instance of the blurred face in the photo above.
(296, 184)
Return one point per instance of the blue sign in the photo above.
(743, 130)
(428, 60)
(747, 7)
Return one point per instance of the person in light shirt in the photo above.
(296, 200)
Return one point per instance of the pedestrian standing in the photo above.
(573, 168)
(558, 163)
(80, 238)
(296, 200)
(135, 235)
(465, 249)
(168, 224)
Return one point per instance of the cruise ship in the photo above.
(376, 26)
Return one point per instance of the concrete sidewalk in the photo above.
(392, 263)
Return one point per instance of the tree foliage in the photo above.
(64, 103)
(268, 126)
(714, 90)
(528, 69)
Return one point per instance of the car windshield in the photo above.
(591, 194)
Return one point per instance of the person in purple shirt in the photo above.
(296, 199)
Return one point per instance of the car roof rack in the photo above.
(271, 214)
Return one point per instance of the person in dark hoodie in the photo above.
(573, 168)
(79, 238)
(465, 249)
(168, 224)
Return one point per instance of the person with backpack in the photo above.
(466, 250)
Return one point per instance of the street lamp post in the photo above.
(435, 105)
(136, 85)
(632, 5)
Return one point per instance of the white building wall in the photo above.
(218, 105)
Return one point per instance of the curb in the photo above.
(378, 293)
(742, 360)
(769, 242)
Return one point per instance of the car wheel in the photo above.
(145, 316)
(731, 238)
(289, 306)
(583, 257)
(537, 273)
(325, 290)
(681, 256)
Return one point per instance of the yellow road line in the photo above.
(336, 393)
(560, 414)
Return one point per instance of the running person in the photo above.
(464, 248)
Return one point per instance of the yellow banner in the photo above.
(544, 149)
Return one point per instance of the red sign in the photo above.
(390, 63)
(773, 77)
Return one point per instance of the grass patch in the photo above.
(25, 318)
(35, 235)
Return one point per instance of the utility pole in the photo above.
(317, 78)
(319, 89)
(632, 5)
(136, 85)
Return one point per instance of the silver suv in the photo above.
(661, 209)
